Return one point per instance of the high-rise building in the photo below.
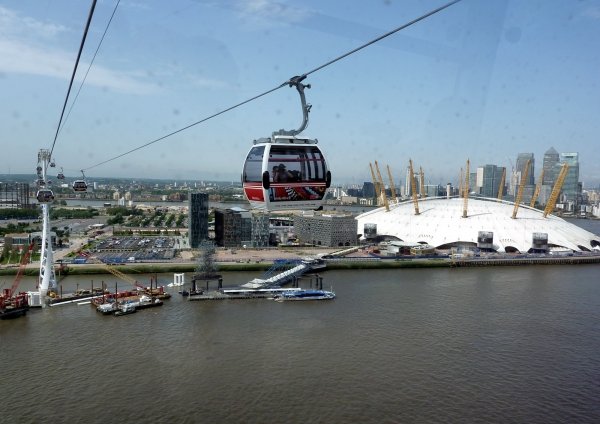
(198, 219)
(571, 189)
(368, 190)
(522, 159)
(492, 175)
(551, 158)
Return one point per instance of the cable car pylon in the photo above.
(47, 278)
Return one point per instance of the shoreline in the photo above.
(337, 264)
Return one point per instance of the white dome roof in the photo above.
(440, 223)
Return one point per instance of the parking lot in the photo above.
(136, 249)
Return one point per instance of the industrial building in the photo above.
(326, 229)
(488, 225)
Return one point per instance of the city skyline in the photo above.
(477, 81)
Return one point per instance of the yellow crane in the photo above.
(112, 270)
(383, 195)
(520, 191)
(422, 188)
(375, 184)
(502, 181)
(392, 186)
(466, 191)
(538, 187)
(556, 190)
(413, 186)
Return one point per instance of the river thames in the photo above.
(500, 344)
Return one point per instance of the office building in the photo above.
(198, 219)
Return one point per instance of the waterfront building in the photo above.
(198, 219)
(233, 227)
(260, 231)
(444, 227)
(326, 229)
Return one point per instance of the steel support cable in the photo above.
(90, 67)
(291, 82)
(186, 127)
(85, 32)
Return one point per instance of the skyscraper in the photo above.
(198, 219)
(571, 189)
(551, 158)
(522, 159)
(492, 175)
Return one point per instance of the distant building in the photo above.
(233, 227)
(326, 230)
(571, 189)
(522, 159)
(491, 179)
(14, 195)
(551, 159)
(368, 190)
(198, 219)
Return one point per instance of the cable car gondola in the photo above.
(285, 172)
(80, 185)
(45, 196)
(60, 175)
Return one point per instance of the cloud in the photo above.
(27, 48)
(272, 11)
(11, 24)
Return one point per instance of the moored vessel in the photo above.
(305, 295)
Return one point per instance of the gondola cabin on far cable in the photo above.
(80, 185)
(286, 172)
(45, 196)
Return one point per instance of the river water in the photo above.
(488, 345)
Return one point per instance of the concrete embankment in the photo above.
(337, 264)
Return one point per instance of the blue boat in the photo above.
(305, 295)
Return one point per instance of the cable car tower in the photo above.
(47, 278)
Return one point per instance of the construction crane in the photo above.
(538, 187)
(392, 186)
(521, 187)
(556, 190)
(501, 187)
(22, 266)
(375, 184)
(383, 195)
(422, 182)
(466, 191)
(413, 186)
(113, 270)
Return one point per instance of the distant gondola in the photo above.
(80, 185)
(45, 196)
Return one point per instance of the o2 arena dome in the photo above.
(489, 225)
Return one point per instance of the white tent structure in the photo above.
(440, 223)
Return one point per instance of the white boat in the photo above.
(305, 295)
(125, 309)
